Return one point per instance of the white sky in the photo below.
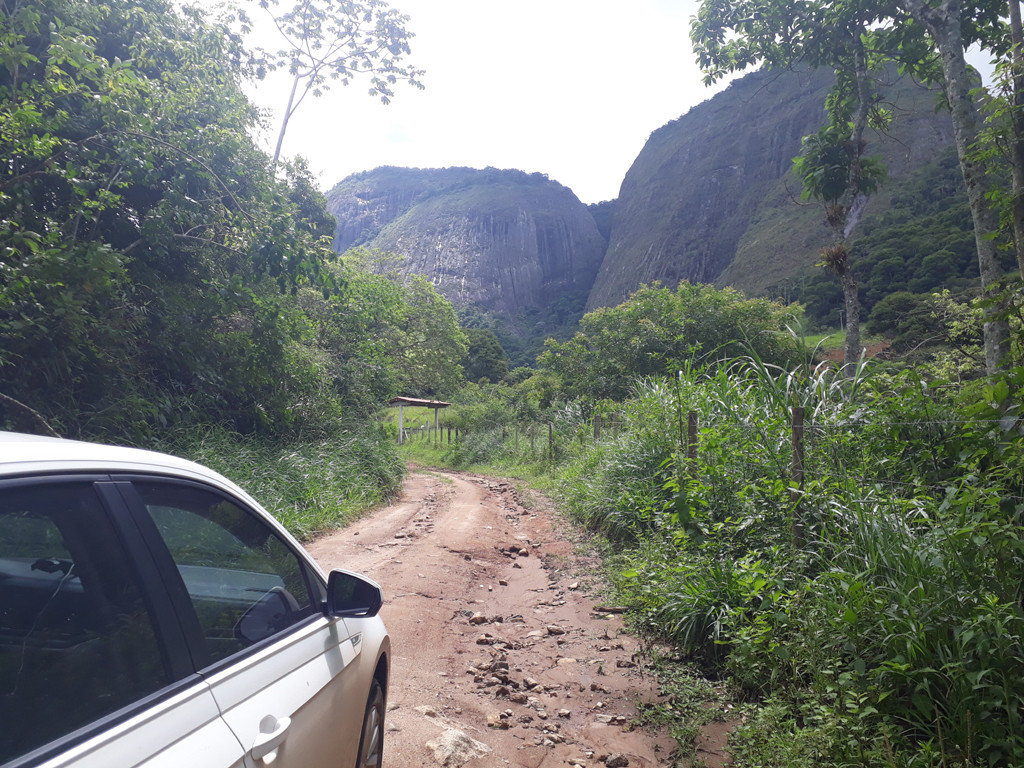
(570, 88)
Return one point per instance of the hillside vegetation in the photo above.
(162, 285)
(843, 556)
(923, 242)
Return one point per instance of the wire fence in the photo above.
(811, 450)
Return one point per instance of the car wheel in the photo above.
(371, 742)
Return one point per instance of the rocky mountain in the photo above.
(712, 197)
(499, 240)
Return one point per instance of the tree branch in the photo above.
(35, 416)
(197, 161)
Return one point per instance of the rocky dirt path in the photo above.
(502, 653)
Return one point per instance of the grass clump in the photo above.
(887, 628)
(309, 486)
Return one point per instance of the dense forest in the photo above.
(158, 271)
(922, 243)
(838, 548)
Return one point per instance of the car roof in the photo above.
(22, 454)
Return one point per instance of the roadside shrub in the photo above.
(310, 486)
(659, 330)
(478, 446)
(891, 631)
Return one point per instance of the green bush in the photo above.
(891, 630)
(657, 330)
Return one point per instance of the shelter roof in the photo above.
(418, 401)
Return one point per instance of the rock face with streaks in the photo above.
(500, 240)
(699, 181)
(712, 198)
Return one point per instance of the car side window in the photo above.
(77, 640)
(246, 584)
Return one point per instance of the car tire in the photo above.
(371, 741)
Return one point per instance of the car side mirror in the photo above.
(349, 594)
(267, 616)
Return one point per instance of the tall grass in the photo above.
(309, 486)
(892, 633)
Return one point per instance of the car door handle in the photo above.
(272, 733)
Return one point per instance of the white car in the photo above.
(152, 613)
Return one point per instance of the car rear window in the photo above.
(77, 641)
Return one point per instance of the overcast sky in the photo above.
(570, 88)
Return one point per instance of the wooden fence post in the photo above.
(797, 475)
(691, 437)
(597, 427)
(551, 442)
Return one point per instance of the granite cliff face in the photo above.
(712, 198)
(500, 240)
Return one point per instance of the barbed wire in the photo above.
(938, 489)
(821, 425)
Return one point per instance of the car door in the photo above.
(282, 674)
(94, 670)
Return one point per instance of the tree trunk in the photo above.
(284, 121)
(851, 347)
(1017, 139)
(943, 24)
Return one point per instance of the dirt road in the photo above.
(500, 656)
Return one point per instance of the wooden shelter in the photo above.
(401, 402)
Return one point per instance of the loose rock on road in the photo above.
(500, 654)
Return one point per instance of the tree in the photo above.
(412, 334)
(147, 253)
(926, 39)
(731, 36)
(430, 345)
(657, 331)
(833, 170)
(329, 40)
(1014, 80)
(485, 358)
(953, 27)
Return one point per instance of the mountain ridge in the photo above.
(498, 239)
(710, 198)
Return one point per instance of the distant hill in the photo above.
(712, 197)
(502, 241)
